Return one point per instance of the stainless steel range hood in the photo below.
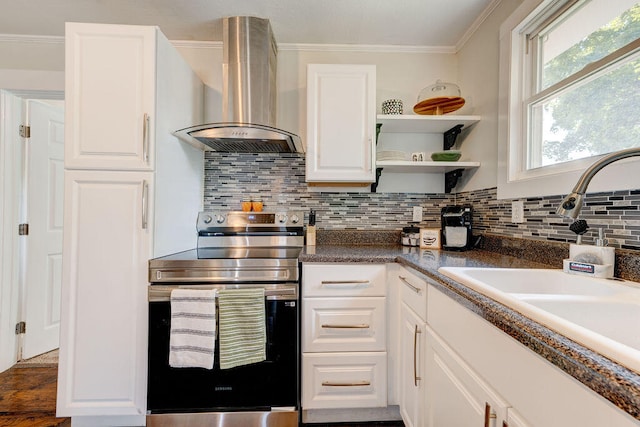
(248, 95)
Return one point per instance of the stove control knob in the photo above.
(295, 219)
(207, 219)
(282, 218)
(219, 219)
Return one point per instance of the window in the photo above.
(574, 84)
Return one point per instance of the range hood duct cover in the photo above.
(248, 94)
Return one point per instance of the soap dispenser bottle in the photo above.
(600, 254)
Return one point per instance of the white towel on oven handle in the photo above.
(192, 337)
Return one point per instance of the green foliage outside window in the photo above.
(602, 115)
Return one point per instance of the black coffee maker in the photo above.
(457, 227)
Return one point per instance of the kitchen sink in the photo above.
(601, 314)
(534, 281)
(614, 319)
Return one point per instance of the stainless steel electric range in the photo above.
(235, 250)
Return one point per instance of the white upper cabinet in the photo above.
(341, 123)
(109, 91)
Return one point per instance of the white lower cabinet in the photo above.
(476, 375)
(411, 381)
(412, 344)
(344, 354)
(107, 244)
(456, 396)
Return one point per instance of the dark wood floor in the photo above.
(28, 397)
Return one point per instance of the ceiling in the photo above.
(363, 22)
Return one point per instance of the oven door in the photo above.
(262, 386)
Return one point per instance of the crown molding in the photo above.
(312, 47)
(196, 44)
(476, 24)
(316, 47)
(23, 38)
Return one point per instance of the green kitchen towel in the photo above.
(241, 327)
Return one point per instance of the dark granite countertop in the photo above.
(611, 380)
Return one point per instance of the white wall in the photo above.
(31, 53)
(478, 63)
(31, 63)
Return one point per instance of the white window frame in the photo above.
(514, 180)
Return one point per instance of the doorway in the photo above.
(32, 170)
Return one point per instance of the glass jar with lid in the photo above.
(410, 235)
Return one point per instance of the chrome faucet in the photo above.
(572, 203)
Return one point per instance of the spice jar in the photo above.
(256, 204)
(246, 204)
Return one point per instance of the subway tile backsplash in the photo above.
(280, 180)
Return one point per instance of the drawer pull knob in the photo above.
(413, 288)
(361, 326)
(352, 384)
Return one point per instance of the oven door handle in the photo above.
(162, 293)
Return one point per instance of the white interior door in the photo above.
(45, 190)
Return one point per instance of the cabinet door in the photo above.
(411, 383)
(341, 123)
(456, 396)
(103, 338)
(109, 96)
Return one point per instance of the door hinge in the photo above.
(23, 229)
(21, 328)
(25, 131)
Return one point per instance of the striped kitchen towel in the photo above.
(192, 338)
(242, 330)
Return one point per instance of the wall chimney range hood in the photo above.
(248, 95)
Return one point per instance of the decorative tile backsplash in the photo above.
(279, 179)
(617, 213)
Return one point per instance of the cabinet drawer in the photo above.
(344, 380)
(328, 280)
(344, 324)
(413, 292)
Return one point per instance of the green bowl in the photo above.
(446, 156)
